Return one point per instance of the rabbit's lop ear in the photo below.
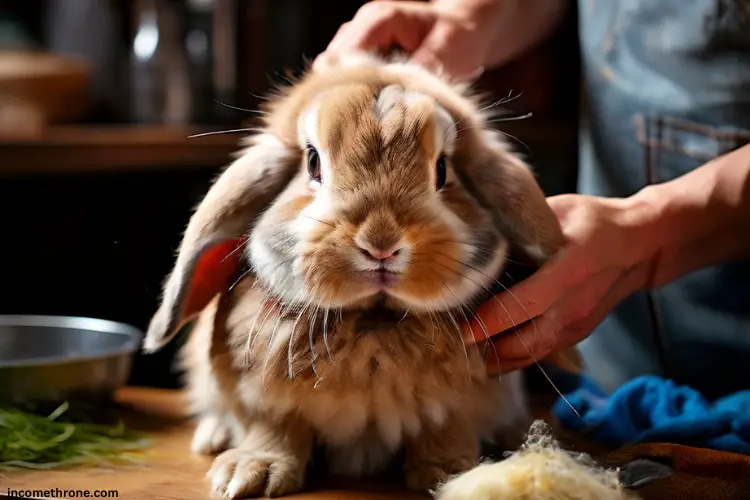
(505, 186)
(208, 261)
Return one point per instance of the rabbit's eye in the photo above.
(441, 173)
(313, 163)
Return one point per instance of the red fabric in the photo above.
(216, 271)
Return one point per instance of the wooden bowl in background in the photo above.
(38, 89)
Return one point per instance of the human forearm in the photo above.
(525, 24)
(701, 218)
(510, 27)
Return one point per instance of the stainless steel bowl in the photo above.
(54, 358)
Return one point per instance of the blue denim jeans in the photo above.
(667, 88)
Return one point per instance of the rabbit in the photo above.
(326, 273)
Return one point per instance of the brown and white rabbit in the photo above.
(372, 212)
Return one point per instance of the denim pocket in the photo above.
(673, 146)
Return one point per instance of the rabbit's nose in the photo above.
(380, 238)
(377, 254)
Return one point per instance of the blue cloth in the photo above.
(652, 409)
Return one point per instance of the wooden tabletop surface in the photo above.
(170, 470)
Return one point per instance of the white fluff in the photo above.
(539, 470)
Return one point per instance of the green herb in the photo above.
(34, 441)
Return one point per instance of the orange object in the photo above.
(216, 271)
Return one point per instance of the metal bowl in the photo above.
(56, 358)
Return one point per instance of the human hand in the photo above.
(451, 37)
(608, 255)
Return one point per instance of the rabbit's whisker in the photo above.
(505, 100)
(218, 132)
(325, 336)
(240, 278)
(303, 313)
(243, 243)
(320, 221)
(460, 339)
(458, 333)
(406, 314)
(455, 323)
(481, 126)
(290, 354)
(487, 107)
(283, 77)
(267, 294)
(271, 337)
(473, 314)
(253, 333)
(259, 97)
(254, 111)
(290, 342)
(462, 242)
(311, 338)
(290, 348)
(311, 330)
(500, 131)
(510, 118)
(515, 327)
(516, 138)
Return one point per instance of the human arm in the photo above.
(703, 215)
(522, 25)
(616, 246)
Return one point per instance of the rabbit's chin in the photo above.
(366, 296)
(377, 300)
(383, 300)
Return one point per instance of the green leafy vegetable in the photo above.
(34, 441)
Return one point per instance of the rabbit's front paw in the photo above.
(212, 435)
(244, 473)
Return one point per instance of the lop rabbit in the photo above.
(327, 271)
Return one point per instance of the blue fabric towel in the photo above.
(652, 409)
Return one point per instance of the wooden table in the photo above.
(171, 471)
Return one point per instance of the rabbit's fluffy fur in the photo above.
(312, 346)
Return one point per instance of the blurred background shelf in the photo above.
(116, 148)
(77, 149)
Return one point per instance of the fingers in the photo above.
(521, 347)
(436, 39)
(340, 34)
(561, 325)
(566, 323)
(435, 49)
(380, 25)
(561, 204)
(502, 312)
(525, 301)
